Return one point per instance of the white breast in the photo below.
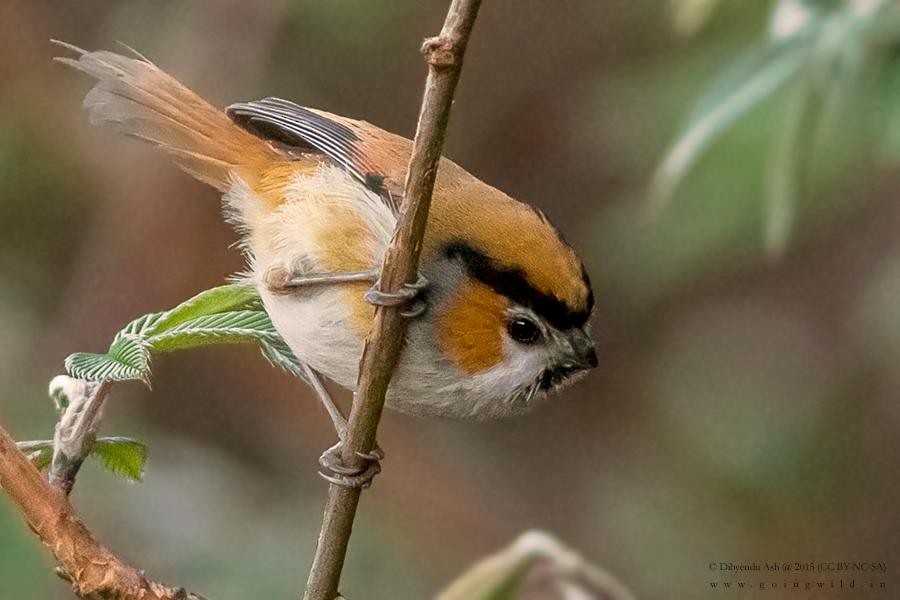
(315, 325)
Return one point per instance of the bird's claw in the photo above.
(376, 455)
(417, 308)
(338, 473)
(408, 295)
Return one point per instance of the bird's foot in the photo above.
(338, 473)
(409, 296)
(277, 280)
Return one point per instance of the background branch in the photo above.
(444, 55)
(93, 570)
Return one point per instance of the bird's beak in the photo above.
(582, 352)
(577, 355)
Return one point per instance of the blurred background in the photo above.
(746, 407)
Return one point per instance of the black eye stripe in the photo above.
(514, 284)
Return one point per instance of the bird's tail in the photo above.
(137, 98)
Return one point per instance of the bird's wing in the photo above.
(375, 157)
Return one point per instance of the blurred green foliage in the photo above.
(829, 61)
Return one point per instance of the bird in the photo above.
(500, 315)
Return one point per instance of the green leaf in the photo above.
(142, 326)
(535, 565)
(784, 170)
(225, 298)
(223, 315)
(689, 16)
(123, 456)
(128, 359)
(222, 328)
(39, 452)
(278, 353)
(753, 78)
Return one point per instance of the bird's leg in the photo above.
(337, 472)
(340, 423)
(282, 281)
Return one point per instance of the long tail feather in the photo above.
(135, 97)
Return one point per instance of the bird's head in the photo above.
(513, 303)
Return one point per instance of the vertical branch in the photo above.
(444, 55)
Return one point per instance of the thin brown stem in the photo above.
(444, 55)
(93, 570)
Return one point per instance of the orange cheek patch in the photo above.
(470, 332)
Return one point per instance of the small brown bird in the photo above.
(500, 315)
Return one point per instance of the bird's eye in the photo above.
(523, 330)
